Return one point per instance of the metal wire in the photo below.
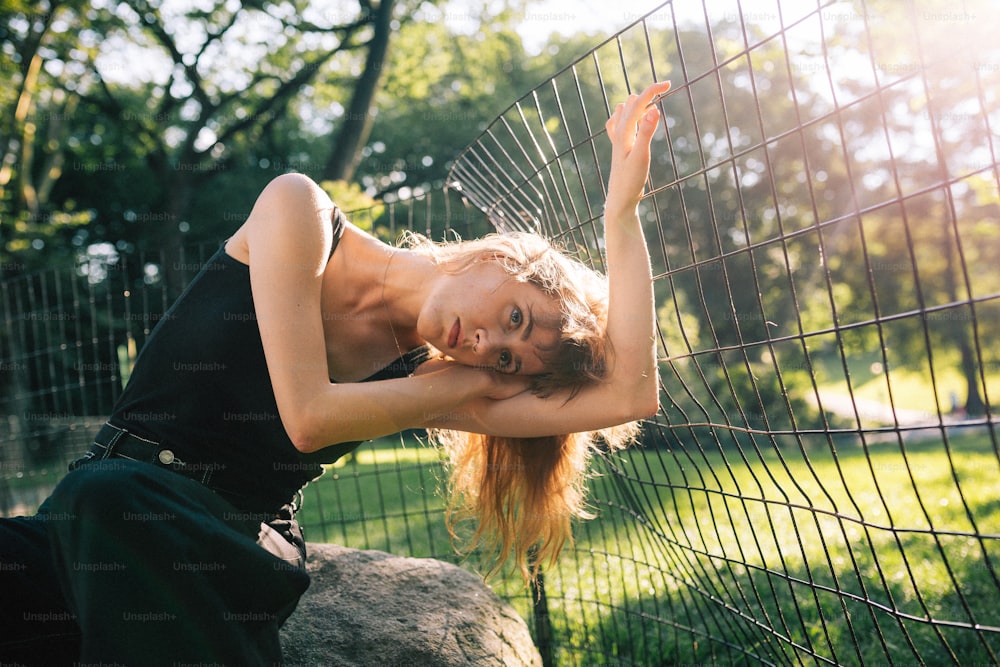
(764, 474)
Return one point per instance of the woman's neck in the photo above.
(405, 284)
(375, 281)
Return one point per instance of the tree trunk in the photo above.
(358, 121)
(974, 406)
(19, 140)
(960, 329)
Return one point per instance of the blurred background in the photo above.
(824, 223)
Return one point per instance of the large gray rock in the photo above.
(372, 608)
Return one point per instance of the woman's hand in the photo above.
(630, 129)
(486, 383)
(505, 385)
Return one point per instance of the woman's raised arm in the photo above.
(630, 390)
(631, 307)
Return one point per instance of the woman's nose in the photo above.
(482, 345)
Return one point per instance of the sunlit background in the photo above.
(823, 216)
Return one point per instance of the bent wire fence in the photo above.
(823, 215)
(824, 220)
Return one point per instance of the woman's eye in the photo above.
(515, 316)
(505, 359)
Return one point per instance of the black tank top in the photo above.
(200, 387)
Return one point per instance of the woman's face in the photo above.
(482, 317)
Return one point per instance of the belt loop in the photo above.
(109, 448)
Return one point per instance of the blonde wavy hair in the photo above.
(523, 493)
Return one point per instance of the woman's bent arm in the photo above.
(288, 238)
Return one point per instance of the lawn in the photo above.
(911, 387)
(383, 497)
(706, 557)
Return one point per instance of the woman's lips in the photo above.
(453, 335)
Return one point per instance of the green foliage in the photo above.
(436, 101)
(350, 197)
(38, 102)
(147, 105)
(177, 150)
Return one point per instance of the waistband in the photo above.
(115, 442)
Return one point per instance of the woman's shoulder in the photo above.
(291, 208)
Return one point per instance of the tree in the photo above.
(922, 144)
(36, 107)
(884, 198)
(216, 84)
(435, 101)
(195, 123)
(357, 125)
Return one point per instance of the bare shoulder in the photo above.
(292, 208)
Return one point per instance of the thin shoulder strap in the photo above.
(339, 222)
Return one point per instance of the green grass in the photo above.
(769, 548)
(383, 497)
(724, 555)
(911, 387)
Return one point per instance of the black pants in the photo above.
(131, 564)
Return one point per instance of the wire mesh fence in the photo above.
(823, 215)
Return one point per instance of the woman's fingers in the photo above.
(630, 129)
(648, 124)
(506, 385)
(624, 123)
(654, 90)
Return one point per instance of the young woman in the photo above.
(301, 337)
